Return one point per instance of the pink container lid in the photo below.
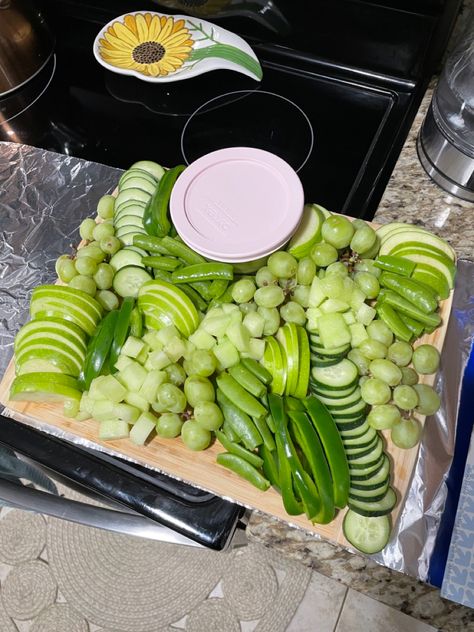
(237, 204)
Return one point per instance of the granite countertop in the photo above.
(411, 196)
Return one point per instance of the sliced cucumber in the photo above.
(347, 412)
(373, 493)
(364, 473)
(129, 279)
(131, 194)
(133, 208)
(375, 508)
(138, 182)
(355, 433)
(320, 361)
(368, 459)
(126, 257)
(343, 392)
(368, 534)
(129, 220)
(361, 440)
(153, 168)
(341, 402)
(342, 375)
(374, 480)
(355, 452)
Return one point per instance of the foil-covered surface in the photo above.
(44, 196)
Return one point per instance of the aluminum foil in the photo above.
(44, 196)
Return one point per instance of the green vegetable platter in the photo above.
(296, 385)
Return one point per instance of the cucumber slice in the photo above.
(129, 220)
(343, 392)
(356, 452)
(140, 251)
(138, 182)
(375, 479)
(126, 257)
(320, 361)
(353, 433)
(136, 173)
(375, 508)
(342, 375)
(131, 194)
(364, 473)
(130, 209)
(361, 440)
(129, 279)
(368, 459)
(353, 422)
(347, 412)
(341, 402)
(367, 534)
(153, 168)
(372, 495)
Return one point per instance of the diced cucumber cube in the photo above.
(349, 317)
(153, 341)
(150, 386)
(85, 405)
(236, 316)
(365, 314)
(217, 325)
(111, 429)
(142, 357)
(229, 308)
(103, 410)
(256, 348)
(133, 376)
(142, 428)
(357, 298)
(358, 334)
(136, 400)
(254, 323)
(348, 285)
(202, 340)
(226, 354)
(333, 306)
(94, 389)
(157, 360)
(239, 336)
(110, 389)
(316, 294)
(127, 413)
(166, 334)
(132, 347)
(175, 348)
(82, 416)
(333, 330)
(122, 362)
(190, 348)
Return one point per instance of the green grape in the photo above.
(375, 392)
(86, 229)
(363, 239)
(337, 231)
(188, 367)
(362, 363)
(194, 436)
(93, 251)
(386, 371)
(86, 265)
(301, 295)
(246, 308)
(101, 231)
(282, 264)
(383, 417)
(84, 283)
(426, 359)
(409, 375)
(271, 316)
(323, 254)
(400, 352)
(368, 283)
(372, 349)
(243, 291)
(208, 415)
(104, 276)
(105, 207)
(333, 286)
(65, 268)
(406, 434)
(175, 373)
(291, 312)
(198, 389)
(367, 265)
(306, 271)
(169, 425)
(359, 223)
(337, 268)
(204, 362)
(269, 296)
(378, 330)
(265, 277)
(428, 399)
(171, 398)
(287, 284)
(405, 397)
(107, 299)
(374, 251)
(110, 245)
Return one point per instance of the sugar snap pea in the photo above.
(199, 303)
(204, 272)
(239, 396)
(398, 265)
(270, 465)
(247, 379)
(403, 306)
(150, 244)
(240, 423)
(181, 250)
(244, 469)
(239, 450)
(411, 291)
(413, 325)
(394, 322)
(161, 263)
(218, 287)
(257, 369)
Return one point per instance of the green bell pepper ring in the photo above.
(155, 217)
(98, 349)
(265, 433)
(411, 291)
(293, 506)
(244, 469)
(122, 327)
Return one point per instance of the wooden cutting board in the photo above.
(200, 469)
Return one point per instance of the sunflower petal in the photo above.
(167, 29)
(142, 28)
(154, 29)
(129, 21)
(124, 34)
(178, 25)
(177, 38)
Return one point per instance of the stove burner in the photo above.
(249, 118)
(148, 52)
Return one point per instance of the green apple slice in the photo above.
(287, 336)
(52, 325)
(31, 388)
(308, 231)
(47, 358)
(417, 237)
(415, 249)
(384, 230)
(47, 333)
(43, 308)
(447, 271)
(70, 295)
(164, 304)
(54, 341)
(304, 358)
(274, 362)
(48, 376)
(433, 278)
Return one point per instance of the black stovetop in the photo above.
(342, 80)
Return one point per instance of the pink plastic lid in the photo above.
(237, 204)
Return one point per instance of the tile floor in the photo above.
(329, 606)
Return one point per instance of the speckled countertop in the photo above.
(410, 197)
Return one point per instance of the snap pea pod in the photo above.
(333, 448)
(397, 265)
(218, 287)
(150, 244)
(161, 263)
(413, 325)
(257, 369)
(411, 291)
(244, 469)
(394, 322)
(310, 444)
(223, 298)
(270, 423)
(404, 307)
(230, 432)
(292, 403)
(155, 217)
(265, 433)
(239, 450)
(293, 506)
(202, 288)
(304, 485)
(122, 327)
(248, 380)
(270, 465)
(136, 323)
(163, 275)
(240, 422)
(199, 303)
(239, 396)
(181, 250)
(98, 350)
(204, 272)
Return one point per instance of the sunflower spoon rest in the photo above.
(156, 47)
